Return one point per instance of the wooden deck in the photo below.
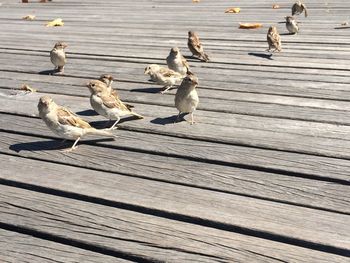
(262, 177)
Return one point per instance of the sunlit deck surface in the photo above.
(263, 176)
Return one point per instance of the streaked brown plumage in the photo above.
(107, 105)
(58, 56)
(65, 123)
(186, 98)
(177, 62)
(299, 8)
(274, 39)
(196, 47)
(292, 25)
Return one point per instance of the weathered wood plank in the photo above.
(130, 233)
(16, 247)
(282, 188)
(301, 137)
(291, 164)
(296, 225)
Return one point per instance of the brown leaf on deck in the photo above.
(275, 6)
(233, 10)
(196, 1)
(26, 87)
(56, 22)
(250, 25)
(29, 17)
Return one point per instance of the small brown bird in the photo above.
(163, 76)
(107, 105)
(58, 56)
(299, 8)
(195, 46)
(65, 123)
(274, 39)
(292, 25)
(177, 62)
(186, 98)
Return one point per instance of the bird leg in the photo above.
(60, 69)
(73, 147)
(178, 117)
(112, 128)
(192, 119)
(165, 89)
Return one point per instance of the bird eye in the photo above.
(92, 85)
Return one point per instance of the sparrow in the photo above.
(299, 8)
(108, 80)
(186, 98)
(163, 76)
(107, 105)
(65, 123)
(177, 62)
(292, 25)
(58, 56)
(195, 46)
(274, 39)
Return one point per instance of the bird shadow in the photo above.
(87, 113)
(147, 90)
(288, 34)
(261, 55)
(193, 58)
(107, 124)
(47, 72)
(50, 145)
(342, 27)
(169, 120)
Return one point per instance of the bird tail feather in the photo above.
(102, 132)
(137, 115)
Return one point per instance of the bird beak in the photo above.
(64, 45)
(87, 84)
(146, 71)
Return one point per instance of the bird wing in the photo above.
(67, 117)
(185, 63)
(170, 73)
(196, 44)
(274, 40)
(112, 102)
(294, 9)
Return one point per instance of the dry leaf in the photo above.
(345, 23)
(249, 25)
(24, 1)
(29, 17)
(26, 87)
(56, 22)
(234, 10)
(275, 6)
(196, 1)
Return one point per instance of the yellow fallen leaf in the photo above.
(196, 1)
(249, 25)
(56, 22)
(26, 87)
(234, 10)
(275, 6)
(29, 17)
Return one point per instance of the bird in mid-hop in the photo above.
(163, 76)
(196, 47)
(186, 98)
(274, 39)
(299, 8)
(292, 25)
(107, 105)
(65, 123)
(58, 56)
(177, 62)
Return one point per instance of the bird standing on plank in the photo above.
(186, 98)
(299, 8)
(58, 56)
(196, 47)
(177, 62)
(65, 123)
(107, 105)
(292, 25)
(274, 39)
(163, 76)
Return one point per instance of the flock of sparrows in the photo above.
(274, 38)
(106, 102)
